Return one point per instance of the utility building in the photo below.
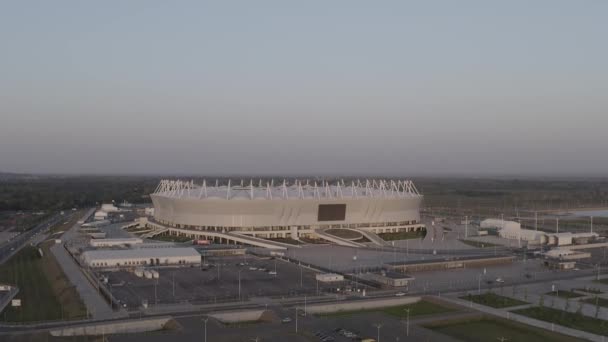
(141, 257)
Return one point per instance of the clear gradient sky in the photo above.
(307, 87)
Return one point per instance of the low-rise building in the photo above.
(109, 208)
(329, 277)
(97, 243)
(141, 257)
(391, 279)
(512, 230)
(557, 264)
(100, 215)
(566, 254)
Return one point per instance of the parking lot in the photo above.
(348, 259)
(218, 281)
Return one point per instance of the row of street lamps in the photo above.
(377, 325)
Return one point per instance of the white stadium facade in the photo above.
(294, 210)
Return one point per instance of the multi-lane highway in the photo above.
(11, 247)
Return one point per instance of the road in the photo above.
(97, 306)
(10, 248)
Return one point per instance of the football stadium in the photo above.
(288, 210)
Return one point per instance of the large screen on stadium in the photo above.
(332, 212)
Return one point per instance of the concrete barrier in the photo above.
(360, 305)
(237, 316)
(121, 327)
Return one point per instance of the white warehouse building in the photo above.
(498, 223)
(114, 242)
(512, 230)
(141, 257)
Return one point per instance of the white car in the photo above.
(400, 294)
(286, 320)
(272, 273)
(500, 280)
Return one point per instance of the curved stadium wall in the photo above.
(275, 211)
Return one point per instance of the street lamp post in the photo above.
(356, 276)
(155, 297)
(240, 284)
(296, 319)
(407, 322)
(205, 321)
(378, 326)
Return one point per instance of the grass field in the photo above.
(566, 319)
(402, 235)
(602, 281)
(491, 329)
(421, 308)
(564, 294)
(590, 290)
(45, 292)
(493, 300)
(344, 233)
(600, 301)
(478, 244)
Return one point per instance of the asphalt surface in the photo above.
(10, 248)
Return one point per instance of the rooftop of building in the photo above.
(141, 253)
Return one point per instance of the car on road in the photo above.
(286, 320)
(272, 273)
(500, 280)
(400, 294)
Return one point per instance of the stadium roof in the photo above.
(295, 190)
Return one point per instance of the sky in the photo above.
(304, 87)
